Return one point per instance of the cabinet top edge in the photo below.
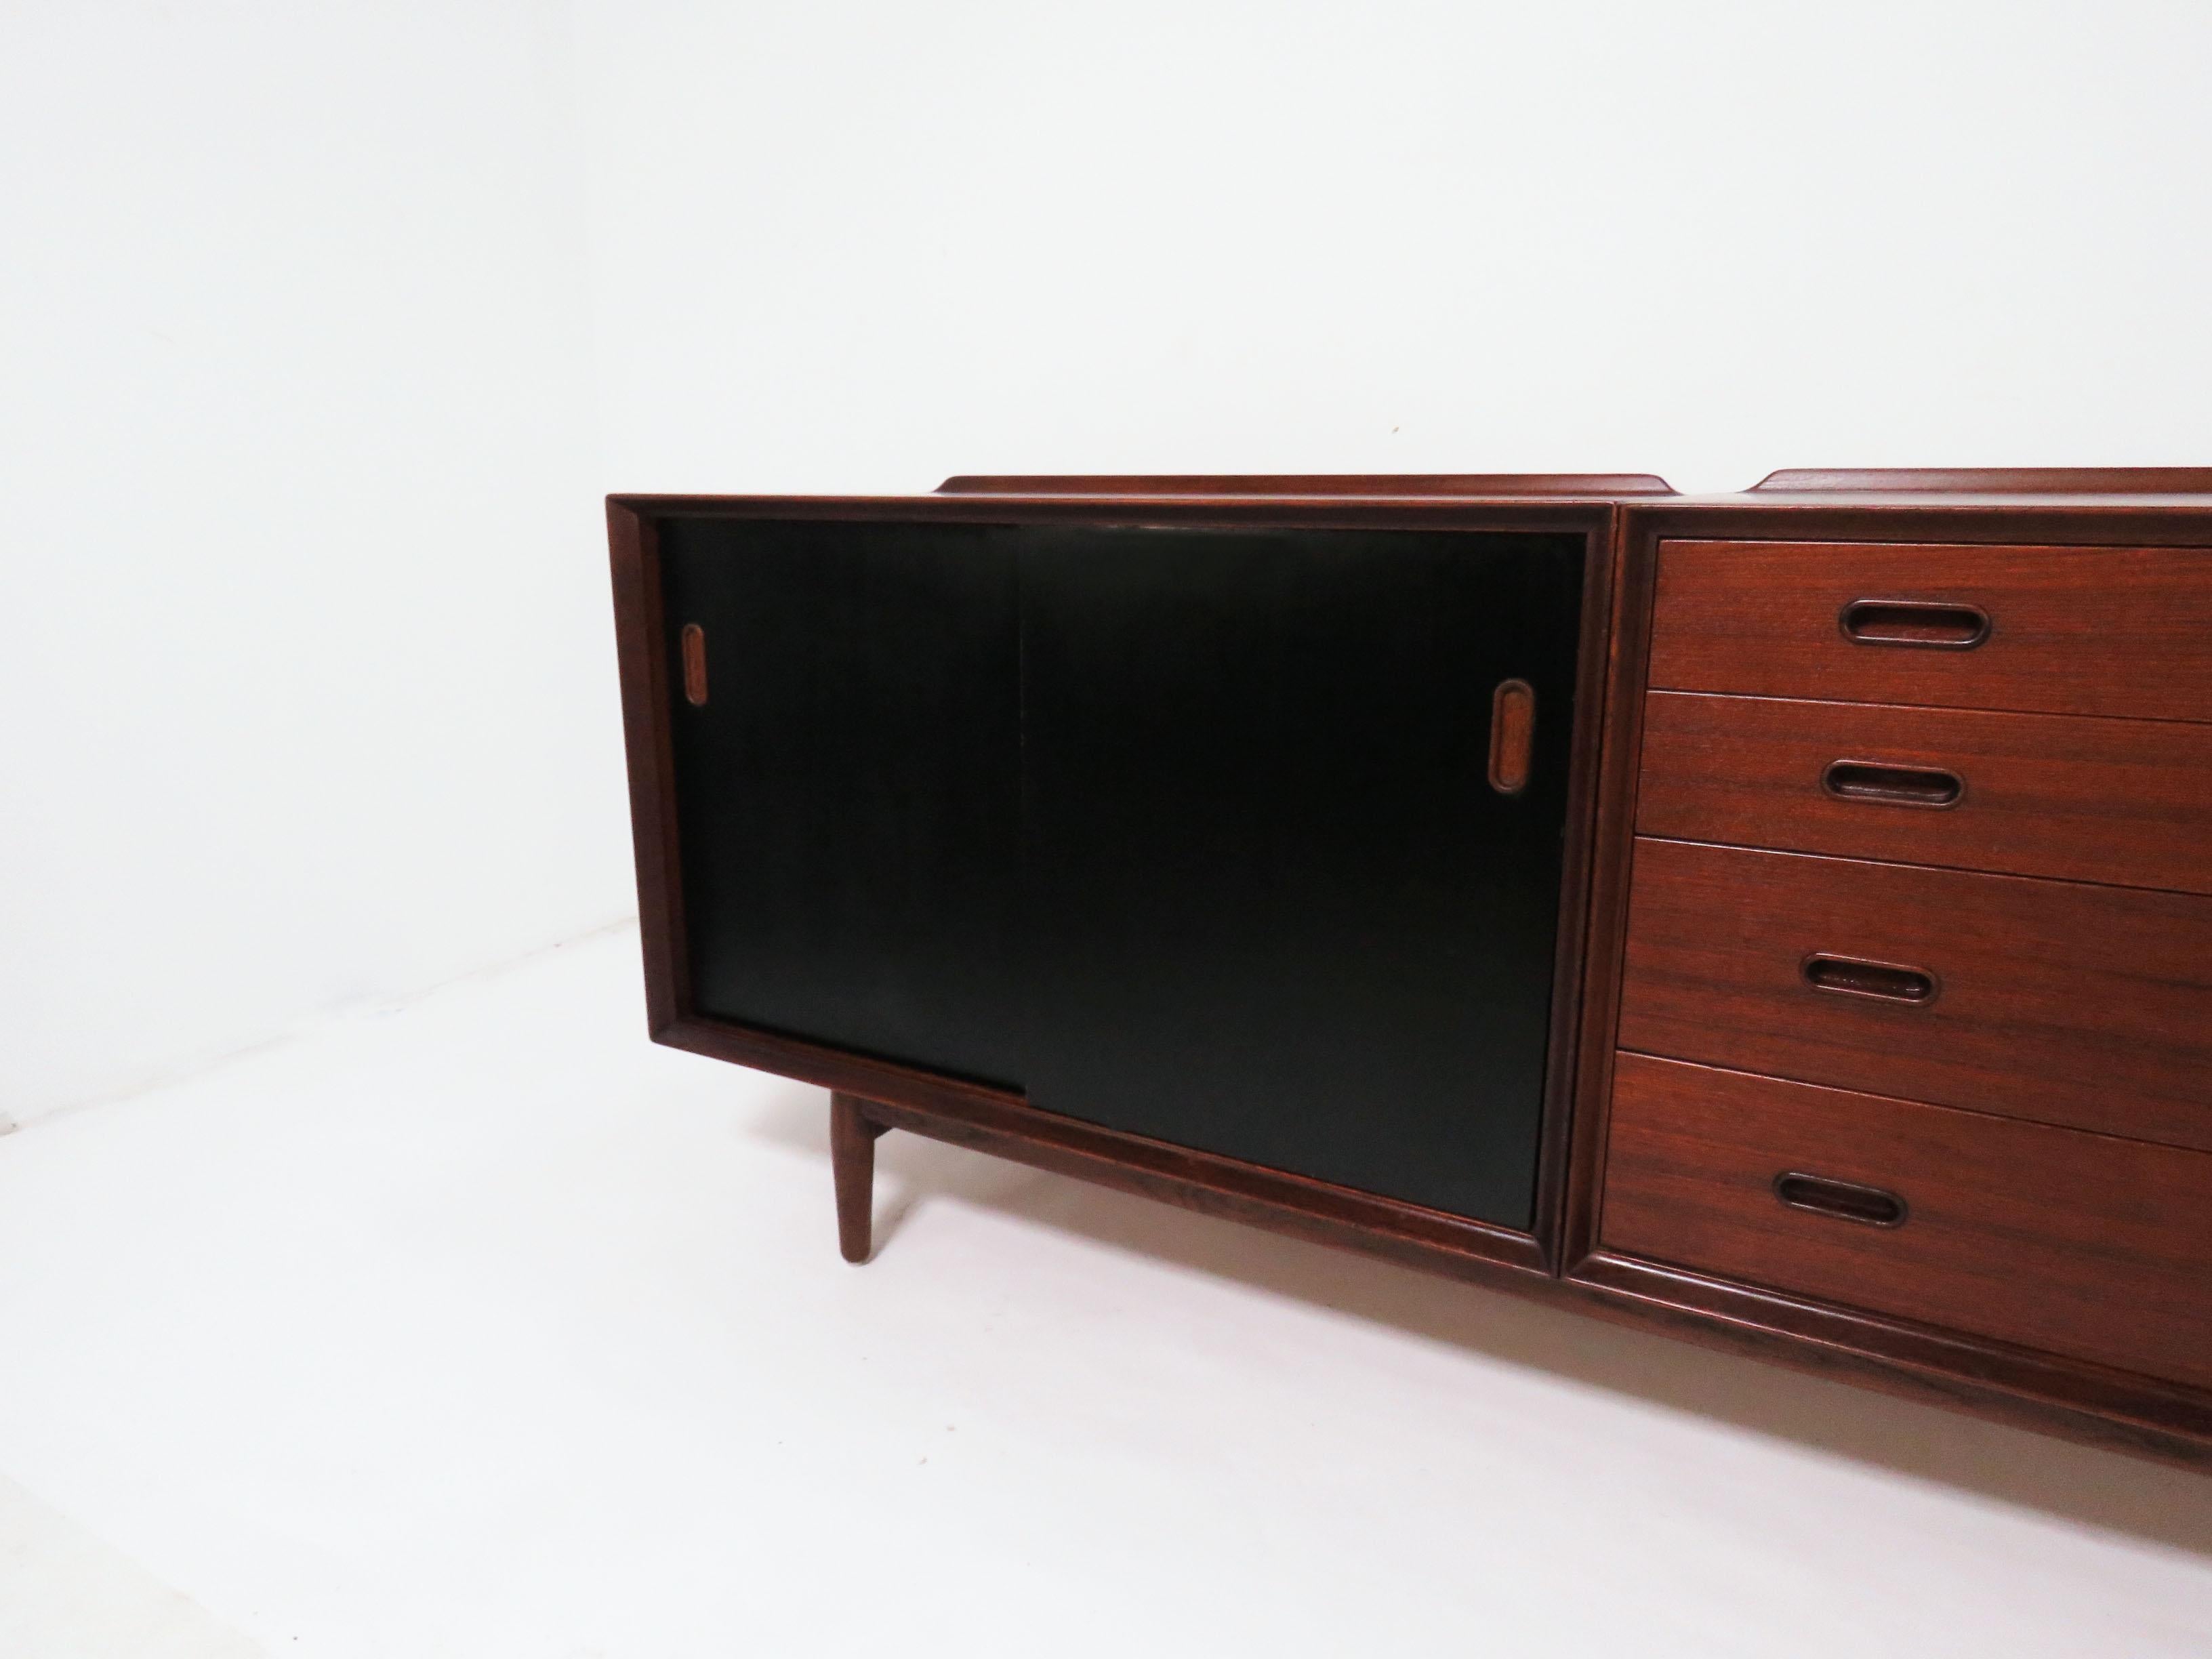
(1386, 485)
(2184, 490)
(2078, 481)
(2180, 486)
(1580, 515)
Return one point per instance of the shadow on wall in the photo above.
(2091, 1486)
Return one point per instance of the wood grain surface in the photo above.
(2080, 1244)
(2081, 1006)
(2124, 802)
(2073, 630)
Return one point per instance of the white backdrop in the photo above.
(322, 329)
(846, 244)
(304, 652)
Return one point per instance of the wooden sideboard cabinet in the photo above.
(1782, 918)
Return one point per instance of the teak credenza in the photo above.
(1784, 918)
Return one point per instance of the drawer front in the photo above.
(2120, 801)
(2070, 630)
(2076, 1244)
(2090, 1006)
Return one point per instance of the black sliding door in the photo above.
(847, 794)
(1186, 832)
(1273, 906)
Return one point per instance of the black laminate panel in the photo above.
(848, 796)
(1272, 906)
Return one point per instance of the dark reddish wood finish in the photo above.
(640, 642)
(2065, 1395)
(1613, 817)
(2076, 1399)
(2022, 481)
(1571, 980)
(2098, 509)
(2124, 802)
(1475, 485)
(1512, 736)
(852, 1136)
(694, 664)
(2076, 1244)
(2073, 630)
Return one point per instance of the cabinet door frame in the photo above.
(1000, 1120)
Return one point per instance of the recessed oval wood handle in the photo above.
(1931, 624)
(1892, 786)
(1846, 1200)
(1512, 735)
(1855, 977)
(694, 664)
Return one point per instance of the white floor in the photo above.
(484, 1328)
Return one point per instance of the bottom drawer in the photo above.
(2078, 1244)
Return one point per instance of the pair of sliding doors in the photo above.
(1187, 832)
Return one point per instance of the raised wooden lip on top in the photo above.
(1368, 485)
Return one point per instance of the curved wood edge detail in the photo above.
(1986, 481)
(1477, 484)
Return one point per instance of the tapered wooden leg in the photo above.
(853, 1166)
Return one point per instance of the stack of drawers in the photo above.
(1916, 1002)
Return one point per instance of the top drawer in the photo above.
(2065, 630)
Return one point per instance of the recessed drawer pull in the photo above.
(1846, 1200)
(1885, 980)
(1914, 621)
(694, 664)
(1512, 735)
(1892, 786)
